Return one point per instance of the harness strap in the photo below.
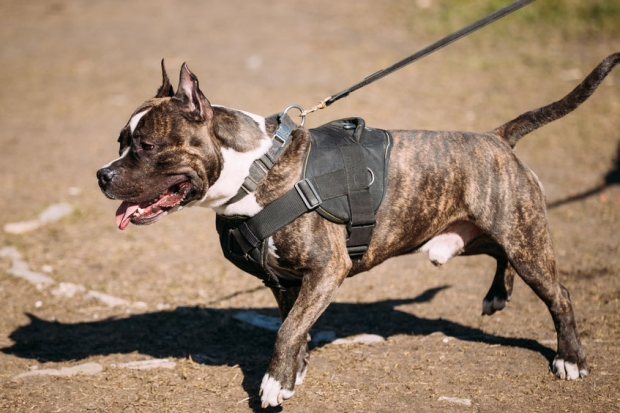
(245, 240)
(362, 220)
(260, 167)
(304, 197)
(307, 195)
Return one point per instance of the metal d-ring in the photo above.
(372, 175)
(300, 109)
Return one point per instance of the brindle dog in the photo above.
(449, 193)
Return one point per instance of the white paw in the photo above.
(489, 307)
(567, 371)
(272, 393)
(301, 376)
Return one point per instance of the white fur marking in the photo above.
(287, 394)
(572, 371)
(558, 368)
(301, 377)
(565, 370)
(258, 119)
(247, 206)
(133, 122)
(271, 247)
(125, 152)
(236, 168)
(272, 393)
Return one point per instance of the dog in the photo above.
(448, 194)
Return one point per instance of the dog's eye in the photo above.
(146, 146)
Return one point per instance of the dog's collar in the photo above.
(261, 166)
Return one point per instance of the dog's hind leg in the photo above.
(540, 274)
(527, 242)
(501, 288)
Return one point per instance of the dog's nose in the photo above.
(105, 175)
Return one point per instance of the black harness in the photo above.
(343, 179)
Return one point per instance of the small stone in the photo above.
(52, 213)
(259, 320)
(86, 368)
(455, 400)
(11, 253)
(21, 269)
(361, 339)
(68, 290)
(146, 364)
(74, 191)
(55, 212)
(21, 227)
(106, 298)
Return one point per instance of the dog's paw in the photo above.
(491, 306)
(565, 370)
(272, 393)
(301, 376)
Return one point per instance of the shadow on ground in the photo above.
(212, 336)
(611, 178)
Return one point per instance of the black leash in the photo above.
(504, 11)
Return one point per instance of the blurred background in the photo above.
(73, 72)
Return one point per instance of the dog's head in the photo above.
(171, 151)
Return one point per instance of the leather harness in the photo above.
(343, 179)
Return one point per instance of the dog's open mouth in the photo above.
(148, 212)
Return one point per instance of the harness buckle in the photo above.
(282, 133)
(308, 194)
(359, 238)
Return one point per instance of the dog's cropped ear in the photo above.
(196, 104)
(165, 90)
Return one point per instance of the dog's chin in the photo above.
(150, 211)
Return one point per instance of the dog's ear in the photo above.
(195, 103)
(165, 90)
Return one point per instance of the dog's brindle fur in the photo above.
(449, 193)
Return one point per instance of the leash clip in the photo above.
(321, 105)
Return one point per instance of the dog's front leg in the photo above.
(286, 299)
(315, 294)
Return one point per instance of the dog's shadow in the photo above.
(214, 337)
(611, 178)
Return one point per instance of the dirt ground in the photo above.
(73, 72)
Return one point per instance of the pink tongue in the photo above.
(124, 213)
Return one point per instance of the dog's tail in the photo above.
(532, 120)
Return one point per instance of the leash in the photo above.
(504, 11)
